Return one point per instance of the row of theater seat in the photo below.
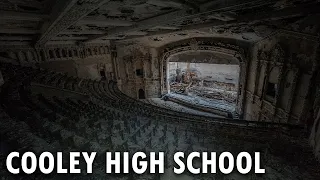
(108, 120)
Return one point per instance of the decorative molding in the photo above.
(194, 44)
(27, 54)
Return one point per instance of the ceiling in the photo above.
(154, 22)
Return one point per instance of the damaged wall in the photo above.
(280, 78)
(137, 69)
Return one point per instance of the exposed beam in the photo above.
(103, 22)
(68, 38)
(144, 24)
(73, 10)
(59, 10)
(233, 4)
(15, 38)
(10, 15)
(148, 35)
(179, 16)
(18, 31)
(136, 33)
(14, 43)
(173, 4)
(164, 28)
(85, 32)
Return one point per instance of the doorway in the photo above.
(103, 74)
(141, 94)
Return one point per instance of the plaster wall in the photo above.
(88, 68)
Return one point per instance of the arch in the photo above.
(13, 55)
(271, 84)
(139, 70)
(212, 46)
(90, 51)
(141, 94)
(75, 53)
(30, 56)
(57, 51)
(64, 53)
(274, 74)
(51, 54)
(70, 53)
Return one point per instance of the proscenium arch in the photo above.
(233, 51)
(205, 57)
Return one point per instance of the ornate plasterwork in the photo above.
(290, 55)
(136, 53)
(23, 54)
(287, 56)
(194, 44)
(277, 54)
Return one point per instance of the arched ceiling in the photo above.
(154, 22)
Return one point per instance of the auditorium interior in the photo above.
(162, 76)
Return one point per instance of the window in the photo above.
(271, 89)
(139, 72)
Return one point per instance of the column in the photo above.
(60, 53)
(44, 54)
(293, 92)
(161, 76)
(154, 57)
(257, 78)
(267, 64)
(144, 68)
(127, 68)
(115, 66)
(54, 54)
(242, 93)
(281, 78)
